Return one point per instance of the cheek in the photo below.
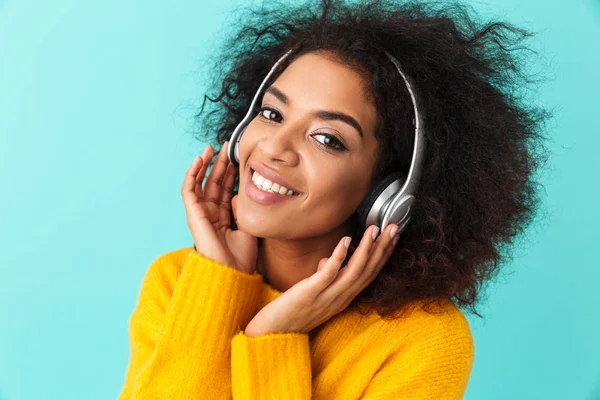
(247, 141)
(244, 151)
(342, 191)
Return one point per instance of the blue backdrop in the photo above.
(96, 106)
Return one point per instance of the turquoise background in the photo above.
(96, 105)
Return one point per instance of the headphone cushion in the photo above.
(365, 206)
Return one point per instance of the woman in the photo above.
(270, 302)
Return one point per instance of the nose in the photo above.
(282, 143)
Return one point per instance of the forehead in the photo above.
(317, 81)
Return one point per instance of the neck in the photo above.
(283, 263)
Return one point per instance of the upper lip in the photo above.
(270, 175)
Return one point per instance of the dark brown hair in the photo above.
(485, 141)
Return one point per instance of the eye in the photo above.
(329, 139)
(267, 113)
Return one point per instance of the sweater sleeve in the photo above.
(181, 329)
(432, 364)
(272, 366)
(428, 365)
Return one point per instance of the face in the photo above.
(316, 131)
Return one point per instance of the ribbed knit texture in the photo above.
(187, 342)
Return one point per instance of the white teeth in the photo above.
(268, 186)
(259, 179)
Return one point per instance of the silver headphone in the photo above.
(390, 201)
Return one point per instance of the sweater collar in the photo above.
(269, 292)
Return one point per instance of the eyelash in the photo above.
(340, 146)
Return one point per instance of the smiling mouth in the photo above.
(250, 181)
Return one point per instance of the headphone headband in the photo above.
(398, 208)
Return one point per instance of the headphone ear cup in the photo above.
(365, 206)
(235, 146)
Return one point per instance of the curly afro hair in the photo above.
(484, 142)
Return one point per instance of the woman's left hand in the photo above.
(314, 300)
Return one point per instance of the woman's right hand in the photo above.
(208, 213)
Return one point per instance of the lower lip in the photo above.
(262, 197)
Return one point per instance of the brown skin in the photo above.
(331, 183)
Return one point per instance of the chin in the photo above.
(252, 223)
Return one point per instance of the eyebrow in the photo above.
(321, 114)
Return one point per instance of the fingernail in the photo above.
(375, 232)
(393, 231)
(347, 241)
(396, 239)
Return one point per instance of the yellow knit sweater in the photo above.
(187, 342)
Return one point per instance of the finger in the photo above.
(379, 255)
(206, 156)
(392, 247)
(212, 187)
(321, 263)
(327, 273)
(234, 207)
(226, 195)
(384, 259)
(189, 182)
(228, 183)
(354, 271)
(199, 178)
